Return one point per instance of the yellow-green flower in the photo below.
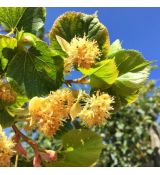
(82, 52)
(6, 149)
(48, 113)
(96, 110)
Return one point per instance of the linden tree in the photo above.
(37, 95)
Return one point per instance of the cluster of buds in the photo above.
(48, 113)
(6, 149)
(7, 94)
(82, 52)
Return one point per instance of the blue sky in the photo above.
(137, 28)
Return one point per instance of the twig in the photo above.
(82, 80)
(10, 33)
(32, 143)
(22, 119)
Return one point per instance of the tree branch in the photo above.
(82, 80)
(32, 143)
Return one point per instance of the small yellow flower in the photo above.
(48, 113)
(35, 109)
(35, 105)
(6, 149)
(96, 110)
(82, 52)
(7, 95)
(61, 101)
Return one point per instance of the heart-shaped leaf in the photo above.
(35, 69)
(81, 148)
(129, 61)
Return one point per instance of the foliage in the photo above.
(33, 77)
(127, 136)
(28, 19)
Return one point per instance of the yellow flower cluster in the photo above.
(6, 152)
(48, 113)
(96, 110)
(82, 53)
(7, 95)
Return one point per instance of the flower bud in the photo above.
(7, 94)
(48, 155)
(27, 39)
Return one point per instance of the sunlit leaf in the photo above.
(129, 61)
(6, 42)
(103, 75)
(127, 87)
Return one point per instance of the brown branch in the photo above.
(37, 159)
(32, 143)
(82, 80)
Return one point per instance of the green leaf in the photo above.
(35, 69)
(20, 101)
(59, 63)
(6, 120)
(31, 19)
(67, 126)
(6, 42)
(133, 72)
(73, 24)
(133, 80)
(21, 98)
(115, 46)
(129, 61)
(103, 75)
(127, 87)
(81, 148)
